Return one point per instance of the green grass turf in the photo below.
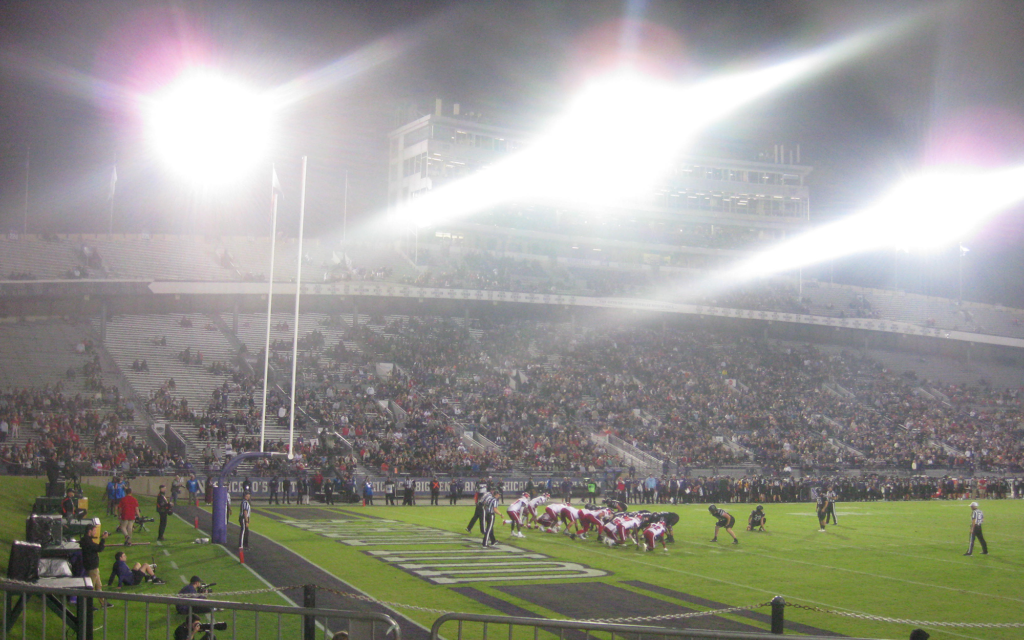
(212, 563)
(899, 560)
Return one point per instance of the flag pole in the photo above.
(270, 296)
(344, 219)
(28, 174)
(295, 335)
(110, 196)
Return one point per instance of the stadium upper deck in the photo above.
(246, 259)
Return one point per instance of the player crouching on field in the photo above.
(622, 528)
(515, 513)
(553, 513)
(548, 521)
(757, 519)
(570, 515)
(655, 531)
(592, 518)
(530, 515)
(725, 521)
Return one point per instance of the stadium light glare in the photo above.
(209, 129)
(927, 211)
(619, 137)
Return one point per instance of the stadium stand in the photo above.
(423, 393)
(60, 396)
(161, 257)
(39, 258)
(427, 394)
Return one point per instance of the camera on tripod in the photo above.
(206, 587)
(141, 520)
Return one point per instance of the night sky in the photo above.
(70, 73)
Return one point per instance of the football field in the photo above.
(899, 560)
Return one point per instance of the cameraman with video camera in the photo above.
(69, 506)
(194, 590)
(194, 625)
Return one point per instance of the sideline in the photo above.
(313, 567)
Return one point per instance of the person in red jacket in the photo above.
(129, 508)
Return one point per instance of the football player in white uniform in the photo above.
(654, 532)
(530, 515)
(515, 513)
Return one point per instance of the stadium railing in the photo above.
(145, 616)
(479, 627)
(176, 443)
(645, 460)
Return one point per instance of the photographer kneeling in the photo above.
(194, 590)
(194, 625)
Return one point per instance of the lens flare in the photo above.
(209, 129)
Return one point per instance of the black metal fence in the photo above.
(38, 612)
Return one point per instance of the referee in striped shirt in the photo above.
(977, 518)
(243, 522)
(830, 506)
(488, 506)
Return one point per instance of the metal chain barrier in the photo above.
(216, 594)
(399, 605)
(695, 614)
(714, 612)
(636, 619)
(678, 616)
(913, 623)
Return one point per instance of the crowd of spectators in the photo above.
(587, 227)
(488, 272)
(776, 489)
(764, 297)
(699, 399)
(537, 397)
(79, 434)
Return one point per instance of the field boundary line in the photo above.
(873, 575)
(344, 582)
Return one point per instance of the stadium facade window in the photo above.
(443, 133)
(415, 165)
(416, 135)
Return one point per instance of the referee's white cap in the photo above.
(974, 505)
